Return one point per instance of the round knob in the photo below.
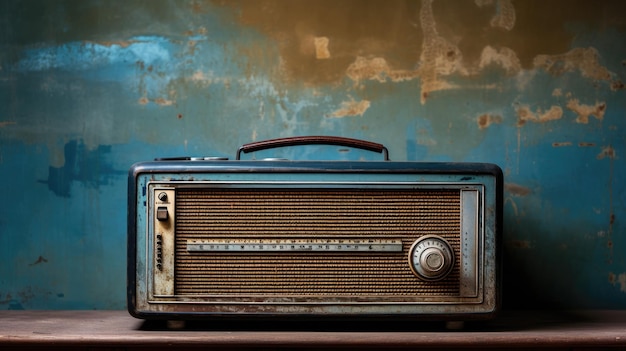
(431, 258)
(162, 196)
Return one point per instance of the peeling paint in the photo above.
(584, 111)
(505, 13)
(376, 68)
(607, 152)
(504, 57)
(368, 69)
(351, 108)
(163, 102)
(584, 60)
(524, 114)
(562, 144)
(438, 57)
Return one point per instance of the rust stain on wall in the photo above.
(164, 102)
(586, 144)
(607, 152)
(353, 28)
(584, 60)
(618, 279)
(524, 114)
(324, 41)
(585, 111)
(485, 120)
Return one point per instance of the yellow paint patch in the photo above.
(321, 48)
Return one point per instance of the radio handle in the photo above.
(314, 139)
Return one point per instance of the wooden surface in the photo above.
(117, 329)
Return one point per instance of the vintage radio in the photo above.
(211, 238)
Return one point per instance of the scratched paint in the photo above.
(536, 87)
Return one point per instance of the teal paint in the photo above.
(86, 90)
(88, 166)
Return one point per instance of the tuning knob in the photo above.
(431, 258)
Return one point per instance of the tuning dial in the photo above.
(431, 258)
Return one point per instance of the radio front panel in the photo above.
(277, 240)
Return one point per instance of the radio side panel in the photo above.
(168, 256)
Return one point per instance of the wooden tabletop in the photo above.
(117, 329)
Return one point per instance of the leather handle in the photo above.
(314, 139)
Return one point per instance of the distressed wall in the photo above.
(88, 87)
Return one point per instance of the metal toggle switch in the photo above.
(161, 213)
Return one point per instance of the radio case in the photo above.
(245, 239)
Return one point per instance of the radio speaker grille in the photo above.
(405, 214)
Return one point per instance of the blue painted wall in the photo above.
(89, 87)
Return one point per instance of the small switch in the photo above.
(161, 213)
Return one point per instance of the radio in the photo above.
(210, 238)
